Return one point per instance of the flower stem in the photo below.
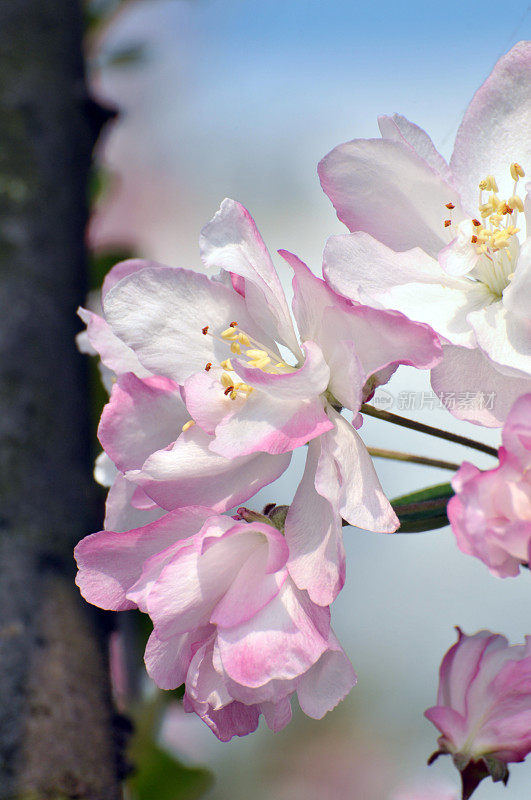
(377, 452)
(420, 426)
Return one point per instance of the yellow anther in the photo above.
(500, 239)
(226, 364)
(188, 425)
(516, 171)
(244, 339)
(226, 380)
(229, 334)
(234, 394)
(244, 387)
(260, 362)
(515, 202)
(256, 353)
(512, 230)
(235, 348)
(489, 183)
(281, 365)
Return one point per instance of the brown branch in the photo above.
(56, 722)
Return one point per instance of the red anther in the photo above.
(450, 206)
(505, 210)
(447, 222)
(476, 222)
(228, 390)
(474, 239)
(233, 325)
(208, 365)
(204, 330)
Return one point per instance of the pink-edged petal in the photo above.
(205, 686)
(124, 268)
(472, 387)
(383, 338)
(191, 473)
(283, 412)
(327, 682)
(280, 643)
(205, 399)
(503, 336)
(461, 665)
(448, 721)
(493, 132)
(142, 416)
(231, 241)
(277, 714)
(160, 313)
(346, 471)
(366, 271)
(191, 585)
(399, 129)
(311, 299)
(314, 536)
(234, 719)
(251, 590)
(386, 189)
(311, 296)
(110, 563)
(114, 353)
(120, 514)
(167, 661)
(516, 434)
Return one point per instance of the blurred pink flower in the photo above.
(229, 622)
(421, 245)
(490, 513)
(425, 791)
(483, 706)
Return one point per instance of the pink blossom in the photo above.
(219, 338)
(164, 464)
(229, 622)
(483, 706)
(490, 513)
(420, 243)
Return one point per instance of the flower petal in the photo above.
(314, 536)
(400, 129)
(327, 682)
(473, 388)
(141, 417)
(114, 353)
(110, 563)
(280, 642)
(386, 189)
(283, 412)
(160, 313)
(492, 134)
(366, 271)
(503, 336)
(231, 241)
(191, 473)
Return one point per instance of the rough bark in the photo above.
(56, 720)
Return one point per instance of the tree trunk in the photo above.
(56, 724)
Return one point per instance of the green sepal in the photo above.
(424, 510)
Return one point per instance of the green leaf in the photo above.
(424, 510)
